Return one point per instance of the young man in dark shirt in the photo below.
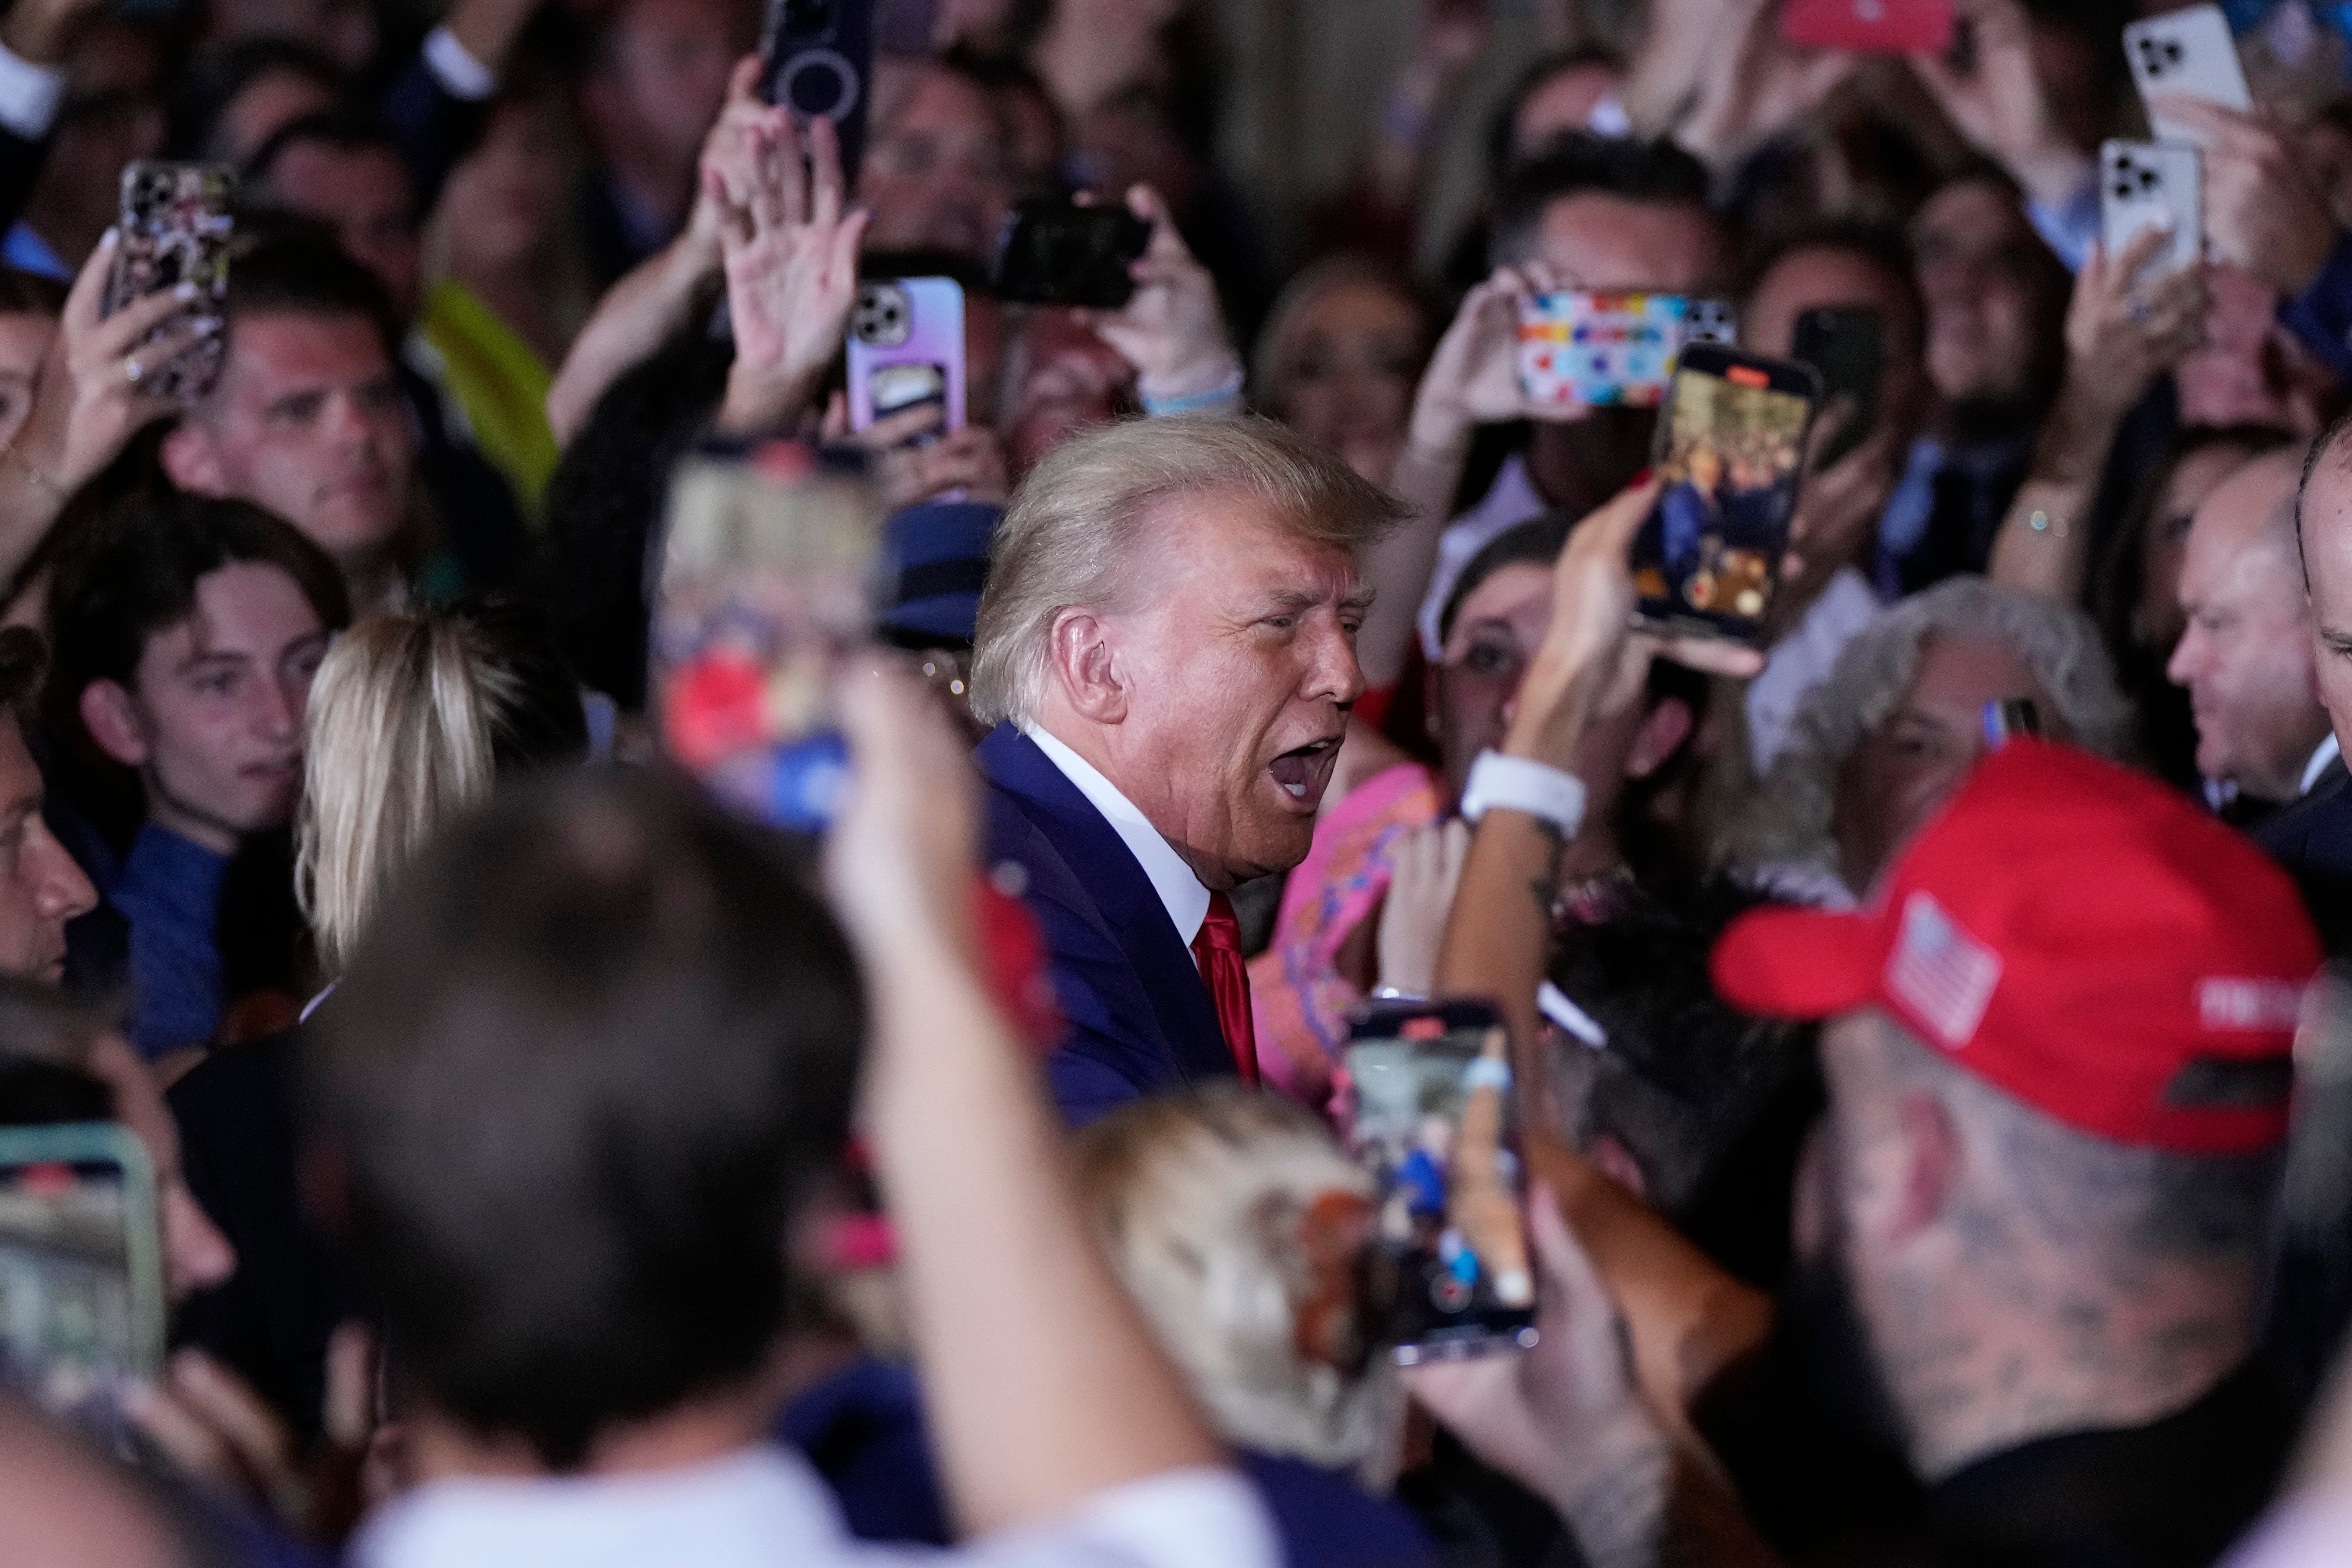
(2058, 1057)
(187, 633)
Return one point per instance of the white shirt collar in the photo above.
(2328, 752)
(1179, 891)
(756, 1506)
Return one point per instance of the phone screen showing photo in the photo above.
(82, 1294)
(1732, 451)
(1449, 1273)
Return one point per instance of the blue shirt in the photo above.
(168, 890)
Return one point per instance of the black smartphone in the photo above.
(1435, 1123)
(1845, 347)
(1058, 253)
(818, 59)
(1731, 453)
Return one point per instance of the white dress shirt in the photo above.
(2328, 752)
(763, 1508)
(1179, 891)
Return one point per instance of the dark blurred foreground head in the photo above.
(588, 1057)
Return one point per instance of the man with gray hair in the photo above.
(2246, 655)
(1167, 649)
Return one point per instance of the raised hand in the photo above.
(1424, 871)
(1755, 84)
(93, 390)
(1473, 377)
(2122, 334)
(2001, 107)
(2261, 212)
(791, 260)
(1172, 329)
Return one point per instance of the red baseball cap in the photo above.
(2080, 937)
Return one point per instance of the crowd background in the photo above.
(1934, 1120)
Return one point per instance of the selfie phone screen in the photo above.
(1731, 450)
(81, 1274)
(766, 595)
(1435, 1125)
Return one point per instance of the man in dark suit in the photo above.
(2312, 837)
(1167, 647)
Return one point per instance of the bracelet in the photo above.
(1224, 392)
(1569, 1018)
(41, 481)
(1522, 784)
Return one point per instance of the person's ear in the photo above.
(192, 459)
(1616, 1161)
(1932, 1159)
(1664, 730)
(1079, 648)
(112, 720)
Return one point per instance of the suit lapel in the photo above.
(1129, 903)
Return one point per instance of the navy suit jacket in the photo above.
(1140, 1020)
(2313, 839)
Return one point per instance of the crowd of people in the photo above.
(1911, 1126)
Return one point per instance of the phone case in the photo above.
(1055, 252)
(175, 228)
(905, 349)
(2186, 54)
(1845, 346)
(1873, 26)
(2151, 185)
(816, 57)
(1579, 348)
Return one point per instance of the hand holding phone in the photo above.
(2186, 54)
(1434, 1122)
(174, 230)
(1059, 253)
(1730, 455)
(765, 600)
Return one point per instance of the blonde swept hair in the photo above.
(411, 717)
(1199, 1199)
(1069, 538)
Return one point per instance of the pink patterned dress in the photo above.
(1298, 999)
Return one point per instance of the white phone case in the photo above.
(2186, 54)
(2151, 185)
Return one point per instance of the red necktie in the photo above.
(1218, 950)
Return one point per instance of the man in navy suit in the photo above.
(1167, 648)
(2312, 837)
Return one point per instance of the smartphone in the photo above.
(816, 57)
(81, 1271)
(2152, 185)
(766, 596)
(2186, 54)
(1871, 27)
(1731, 453)
(1058, 253)
(175, 228)
(1435, 1123)
(1846, 347)
(1578, 347)
(906, 350)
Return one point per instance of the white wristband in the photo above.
(1522, 784)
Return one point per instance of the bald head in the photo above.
(2246, 655)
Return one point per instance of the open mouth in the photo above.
(1303, 771)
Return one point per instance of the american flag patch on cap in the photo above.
(1941, 973)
